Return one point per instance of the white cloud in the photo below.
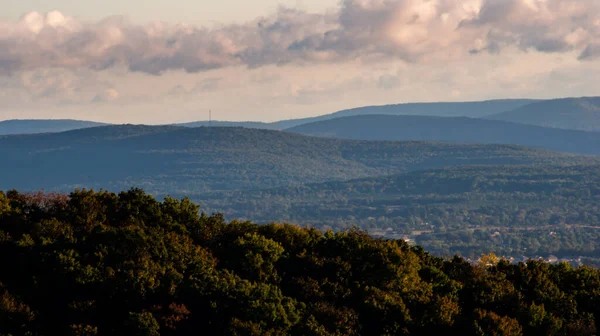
(294, 64)
(371, 30)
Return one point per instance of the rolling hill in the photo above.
(570, 113)
(43, 126)
(443, 208)
(454, 130)
(459, 109)
(179, 160)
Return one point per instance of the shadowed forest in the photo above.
(100, 263)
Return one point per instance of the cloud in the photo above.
(370, 30)
(203, 86)
(592, 51)
(57, 86)
(550, 26)
(107, 95)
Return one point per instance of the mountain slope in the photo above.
(460, 109)
(570, 113)
(43, 126)
(456, 130)
(169, 160)
(441, 209)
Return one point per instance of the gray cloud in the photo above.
(542, 25)
(590, 52)
(410, 30)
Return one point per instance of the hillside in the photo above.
(448, 211)
(107, 264)
(168, 159)
(454, 130)
(459, 109)
(43, 126)
(570, 113)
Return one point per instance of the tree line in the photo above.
(100, 263)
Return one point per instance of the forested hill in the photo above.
(43, 126)
(569, 113)
(107, 264)
(512, 210)
(169, 160)
(455, 130)
(458, 109)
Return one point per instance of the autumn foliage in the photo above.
(99, 263)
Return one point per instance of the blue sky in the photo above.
(159, 61)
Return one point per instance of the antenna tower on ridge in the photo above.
(209, 117)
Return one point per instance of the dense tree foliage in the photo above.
(104, 264)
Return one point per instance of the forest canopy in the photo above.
(100, 263)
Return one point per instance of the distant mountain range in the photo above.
(461, 109)
(177, 160)
(470, 109)
(570, 113)
(454, 130)
(43, 126)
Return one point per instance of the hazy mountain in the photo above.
(246, 124)
(43, 126)
(470, 109)
(456, 130)
(169, 159)
(571, 113)
(460, 109)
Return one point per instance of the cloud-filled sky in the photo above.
(172, 61)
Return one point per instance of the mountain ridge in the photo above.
(32, 126)
(169, 159)
(474, 109)
(493, 106)
(454, 130)
(581, 113)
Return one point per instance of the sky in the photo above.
(142, 11)
(159, 61)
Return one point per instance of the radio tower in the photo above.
(209, 118)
